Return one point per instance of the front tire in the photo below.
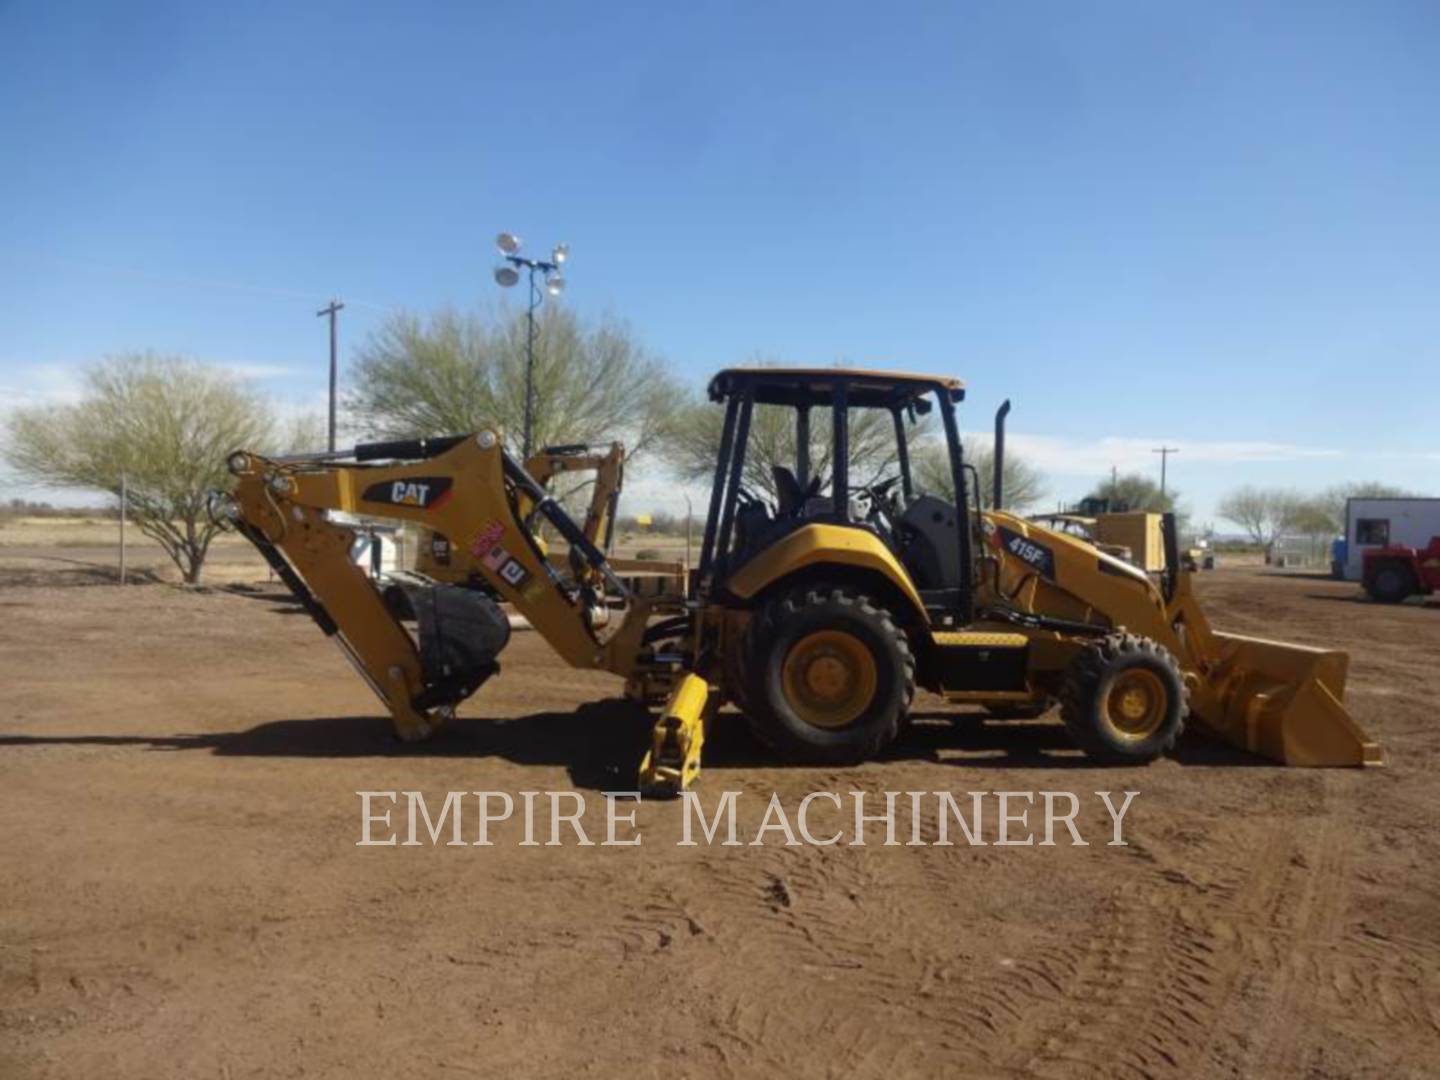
(1124, 700)
(830, 676)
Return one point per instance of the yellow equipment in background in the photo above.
(817, 613)
(1137, 530)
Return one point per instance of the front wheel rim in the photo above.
(1135, 704)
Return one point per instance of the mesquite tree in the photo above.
(162, 424)
(453, 373)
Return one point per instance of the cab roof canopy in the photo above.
(816, 386)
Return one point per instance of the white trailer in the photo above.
(1372, 523)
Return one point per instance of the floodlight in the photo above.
(555, 284)
(506, 275)
(560, 254)
(508, 243)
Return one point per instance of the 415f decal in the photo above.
(1035, 555)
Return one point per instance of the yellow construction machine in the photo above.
(816, 612)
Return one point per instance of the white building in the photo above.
(1371, 523)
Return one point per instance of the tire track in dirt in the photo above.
(1152, 980)
(1200, 962)
(1377, 977)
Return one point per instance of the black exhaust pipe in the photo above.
(997, 499)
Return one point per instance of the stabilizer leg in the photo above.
(673, 761)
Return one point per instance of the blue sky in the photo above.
(1213, 225)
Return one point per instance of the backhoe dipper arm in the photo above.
(609, 469)
(465, 487)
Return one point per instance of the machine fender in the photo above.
(827, 545)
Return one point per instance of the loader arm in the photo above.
(1273, 698)
(470, 490)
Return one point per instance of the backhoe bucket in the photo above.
(1282, 701)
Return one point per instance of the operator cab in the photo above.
(861, 449)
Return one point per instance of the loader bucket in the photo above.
(1282, 701)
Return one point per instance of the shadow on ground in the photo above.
(600, 744)
(1305, 575)
(1361, 598)
(72, 573)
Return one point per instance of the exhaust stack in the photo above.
(997, 497)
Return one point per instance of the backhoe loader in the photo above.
(816, 613)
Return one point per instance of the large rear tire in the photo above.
(830, 676)
(1124, 700)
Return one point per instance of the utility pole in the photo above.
(124, 495)
(333, 310)
(1164, 452)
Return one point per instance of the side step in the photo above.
(982, 665)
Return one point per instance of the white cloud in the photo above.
(42, 384)
(1074, 457)
(257, 371)
(648, 490)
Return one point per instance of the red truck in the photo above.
(1396, 571)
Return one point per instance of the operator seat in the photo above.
(790, 496)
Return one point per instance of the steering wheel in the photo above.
(879, 491)
(878, 495)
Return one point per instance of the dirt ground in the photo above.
(183, 895)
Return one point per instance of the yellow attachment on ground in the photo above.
(673, 762)
(1282, 701)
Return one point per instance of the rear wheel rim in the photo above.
(1135, 704)
(830, 678)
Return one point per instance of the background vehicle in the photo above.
(1393, 573)
(1382, 522)
(818, 615)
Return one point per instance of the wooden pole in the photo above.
(334, 309)
(124, 493)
